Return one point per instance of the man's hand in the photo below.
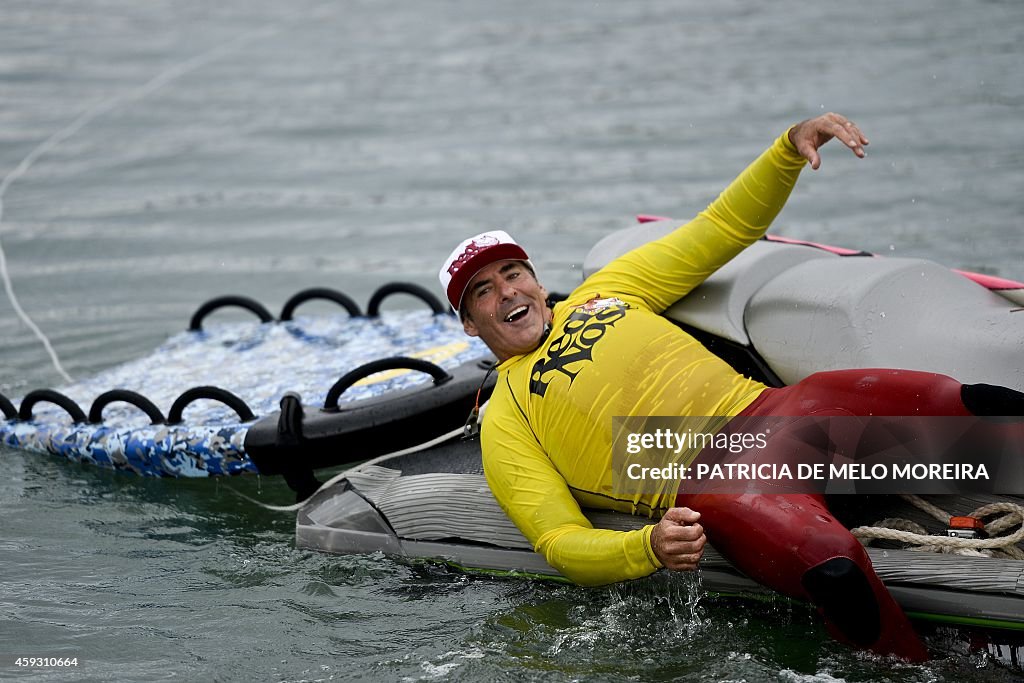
(678, 540)
(808, 136)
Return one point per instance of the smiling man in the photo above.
(605, 351)
(513, 324)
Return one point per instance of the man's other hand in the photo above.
(678, 540)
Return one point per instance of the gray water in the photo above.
(259, 148)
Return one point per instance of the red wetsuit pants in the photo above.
(792, 543)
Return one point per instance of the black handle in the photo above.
(373, 308)
(340, 298)
(215, 393)
(137, 400)
(196, 324)
(289, 422)
(439, 374)
(50, 396)
(7, 407)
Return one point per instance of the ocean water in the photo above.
(153, 155)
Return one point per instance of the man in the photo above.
(605, 351)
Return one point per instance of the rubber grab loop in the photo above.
(373, 308)
(137, 400)
(5, 405)
(289, 442)
(340, 298)
(439, 374)
(289, 422)
(50, 396)
(215, 393)
(196, 324)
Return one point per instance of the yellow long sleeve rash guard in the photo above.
(547, 431)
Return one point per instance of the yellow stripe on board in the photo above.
(436, 355)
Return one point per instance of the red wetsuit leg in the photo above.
(867, 392)
(793, 544)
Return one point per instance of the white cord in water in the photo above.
(455, 433)
(338, 477)
(102, 107)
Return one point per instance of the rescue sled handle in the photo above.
(439, 374)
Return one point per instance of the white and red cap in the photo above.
(472, 256)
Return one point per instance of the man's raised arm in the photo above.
(661, 272)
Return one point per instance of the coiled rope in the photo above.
(913, 534)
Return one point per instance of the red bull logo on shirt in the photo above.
(582, 331)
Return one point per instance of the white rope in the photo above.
(101, 107)
(326, 485)
(926, 507)
(904, 531)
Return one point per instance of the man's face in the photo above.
(506, 307)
